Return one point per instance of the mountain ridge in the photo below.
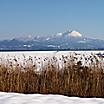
(69, 40)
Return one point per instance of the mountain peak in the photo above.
(75, 34)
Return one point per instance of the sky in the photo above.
(20, 18)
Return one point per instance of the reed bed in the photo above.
(72, 79)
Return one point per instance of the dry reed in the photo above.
(71, 80)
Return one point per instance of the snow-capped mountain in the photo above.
(73, 33)
(69, 40)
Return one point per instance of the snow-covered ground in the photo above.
(15, 98)
(42, 58)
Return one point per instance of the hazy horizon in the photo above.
(19, 18)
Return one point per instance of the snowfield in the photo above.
(15, 98)
(42, 58)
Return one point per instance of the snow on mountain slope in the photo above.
(75, 34)
(59, 34)
(15, 98)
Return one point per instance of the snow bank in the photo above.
(15, 98)
(41, 58)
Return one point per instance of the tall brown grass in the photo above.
(71, 80)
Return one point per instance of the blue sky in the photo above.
(47, 17)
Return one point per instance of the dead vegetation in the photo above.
(71, 80)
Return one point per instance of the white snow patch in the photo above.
(52, 46)
(15, 98)
(59, 34)
(75, 34)
(48, 38)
